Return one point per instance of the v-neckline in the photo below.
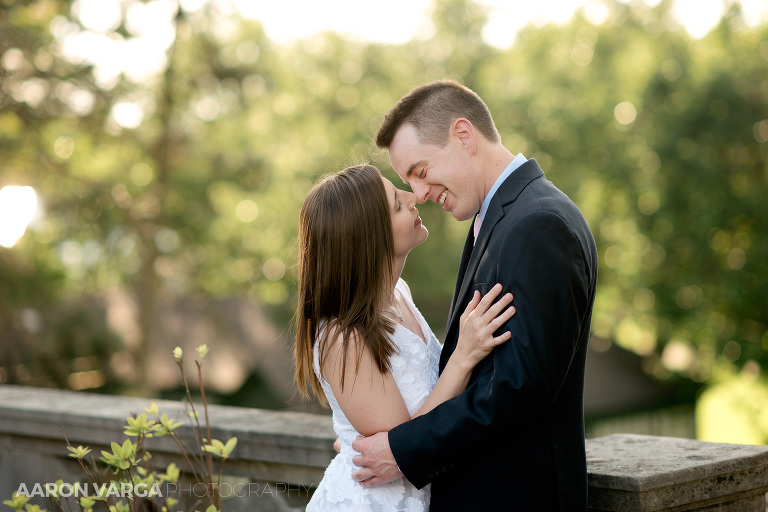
(423, 338)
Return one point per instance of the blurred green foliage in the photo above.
(659, 138)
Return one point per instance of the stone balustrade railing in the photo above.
(281, 456)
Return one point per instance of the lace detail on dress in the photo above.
(415, 370)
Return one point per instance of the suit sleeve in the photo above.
(541, 262)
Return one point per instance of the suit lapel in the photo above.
(465, 255)
(506, 194)
(492, 217)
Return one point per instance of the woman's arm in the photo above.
(372, 401)
(477, 325)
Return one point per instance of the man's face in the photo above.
(442, 175)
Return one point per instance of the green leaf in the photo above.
(152, 409)
(119, 507)
(87, 503)
(227, 450)
(109, 458)
(129, 449)
(79, 452)
(172, 473)
(140, 426)
(168, 425)
(17, 502)
(56, 493)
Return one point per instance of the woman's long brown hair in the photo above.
(346, 265)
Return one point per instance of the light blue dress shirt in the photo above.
(517, 162)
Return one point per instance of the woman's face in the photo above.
(407, 229)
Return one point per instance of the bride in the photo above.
(361, 343)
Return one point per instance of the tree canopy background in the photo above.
(188, 181)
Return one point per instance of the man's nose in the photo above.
(421, 192)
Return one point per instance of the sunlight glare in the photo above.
(755, 11)
(98, 15)
(17, 207)
(142, 53)
(139, 57)
(396, 21)
(127, 114)
(698, 16)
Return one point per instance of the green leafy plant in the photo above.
(128, 465)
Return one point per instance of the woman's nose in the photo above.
(412, 200)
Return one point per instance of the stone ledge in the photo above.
(271, 437)
(626, 472)
(644, 473)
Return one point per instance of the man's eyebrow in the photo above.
(413, 167)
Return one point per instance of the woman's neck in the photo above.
(398, 270)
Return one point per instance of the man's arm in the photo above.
(542, 262)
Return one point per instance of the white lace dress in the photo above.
(414, 368)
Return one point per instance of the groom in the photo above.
(514, 440)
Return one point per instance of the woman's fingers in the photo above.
(502, 318)
(498, 340)
(488, 299)
(492, 342)
(472, 304)
(487, 316)
(502, 303)
(509, 312)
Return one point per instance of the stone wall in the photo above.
(281, 456)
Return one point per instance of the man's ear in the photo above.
(464, 131)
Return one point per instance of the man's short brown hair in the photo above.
(432, 108)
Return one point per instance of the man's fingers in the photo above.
(363, 474)
(357, 444)
(371, 482)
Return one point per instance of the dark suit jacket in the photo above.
(514, 440)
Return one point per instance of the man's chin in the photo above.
(462, 216)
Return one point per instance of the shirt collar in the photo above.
(517, 162)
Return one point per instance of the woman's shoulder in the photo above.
(331, 337)
(403, 287)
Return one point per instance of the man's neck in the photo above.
(498, 158)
